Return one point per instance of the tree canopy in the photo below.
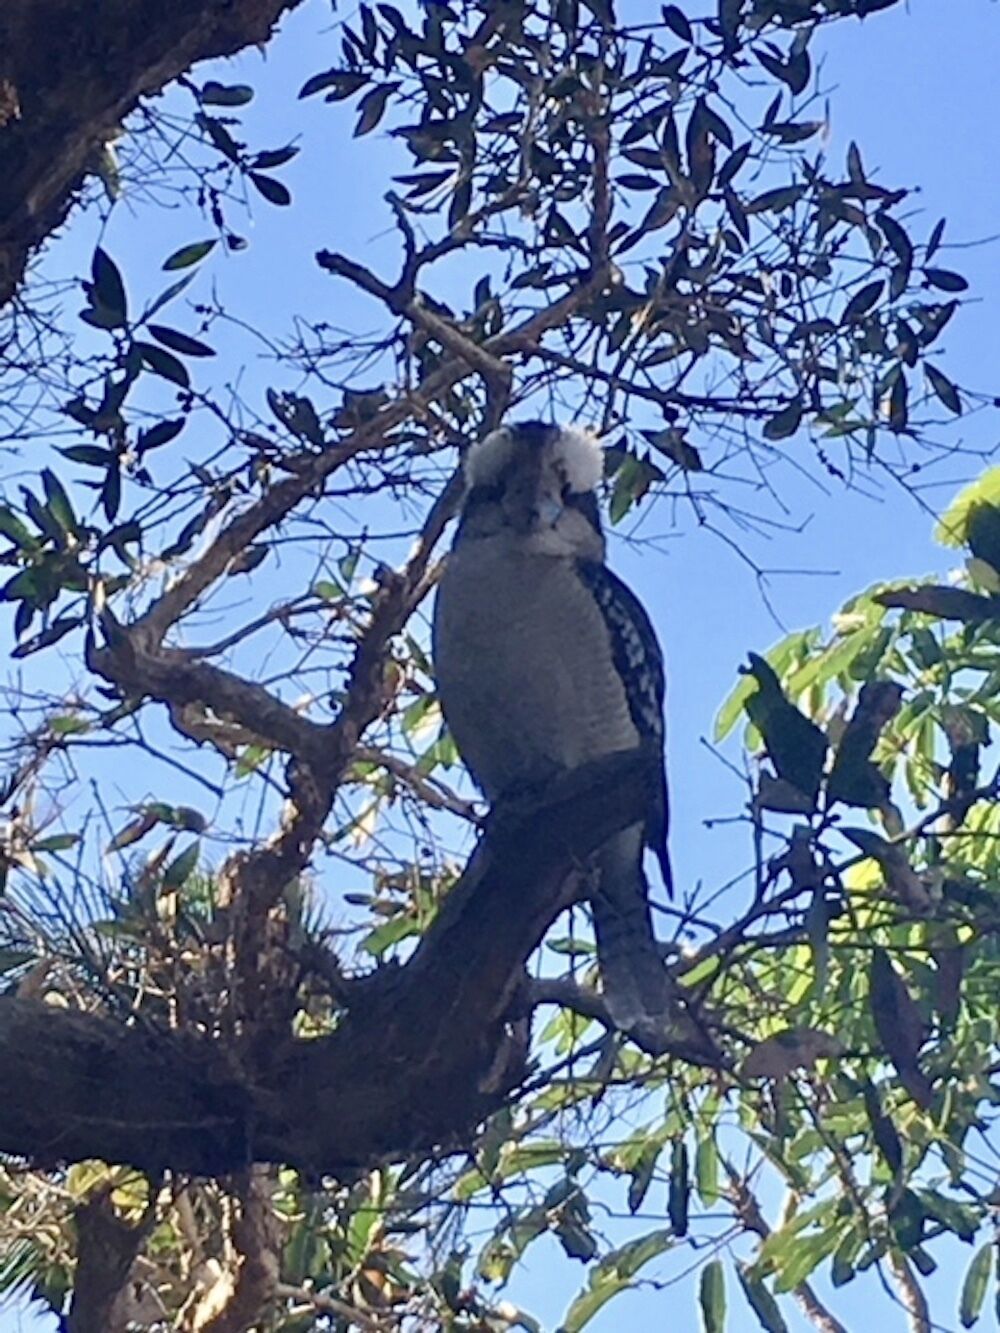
(296, 1036)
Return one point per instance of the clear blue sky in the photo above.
(918, 90)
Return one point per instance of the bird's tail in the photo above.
(637, 987)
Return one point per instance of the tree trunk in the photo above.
(70, 72)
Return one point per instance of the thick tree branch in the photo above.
(70, 92)
(257, 1237)
(424, 1052)
(106, 1249)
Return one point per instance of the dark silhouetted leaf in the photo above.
(883, 1130)
(854, 779)
(943, 388)
(164, 363)
(897, 239)
(784, 423)
(899, 1025)
(940, 600)
(90, 455)
(220, 136)
(162, 433)
(934, 239)
(679, 1189)
(729, 21)
(862, 301)
(677, 22)
(298, 414)
(945, 280)
(273, 157)
(273, 191)
(247, 561)
(57, 630)
(372, 107)
(774, 201)
(794, 744)
(180, 342)
(222, 94)
(341, 83)
(898, 405)
(107, 288)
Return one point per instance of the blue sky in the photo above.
(916, 88)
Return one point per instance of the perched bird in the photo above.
(546, 660)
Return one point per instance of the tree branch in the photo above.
(424, 1052)
(71, 92)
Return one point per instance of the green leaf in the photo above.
(178, 871)
(391, 932)
(983, 533)
(14, 530)
(59, 842)
(180, 342)
(188, 255)
(712, 1297)
(706, 1167)
(953, 526)
(612, 1275)
(974, 1286)
(58, 502)
(963, 1219)
(642, 1177)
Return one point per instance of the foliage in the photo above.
(597, 216)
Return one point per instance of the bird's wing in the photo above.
(639, 662)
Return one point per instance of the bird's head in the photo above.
(536, 481)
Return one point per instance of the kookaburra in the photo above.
(545, 660)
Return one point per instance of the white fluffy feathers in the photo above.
(575, 450)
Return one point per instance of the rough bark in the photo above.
(70, 72)
(423, 1053)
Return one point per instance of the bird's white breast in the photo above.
(524, 666)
